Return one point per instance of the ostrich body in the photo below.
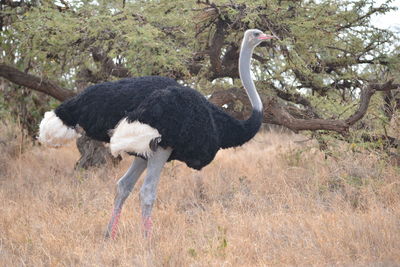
(158, 120)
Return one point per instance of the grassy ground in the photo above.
(271, 202)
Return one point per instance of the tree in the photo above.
(328, 57)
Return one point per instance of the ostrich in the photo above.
(157, 120)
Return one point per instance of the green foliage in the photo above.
(59, 43)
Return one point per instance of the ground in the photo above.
(273, 202)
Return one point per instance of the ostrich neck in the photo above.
(235, 132)
(246, 53)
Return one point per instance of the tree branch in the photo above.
(295, 98)
(35, 83)
(108, 66)
(275, 113)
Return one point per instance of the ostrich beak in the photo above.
(265, 37)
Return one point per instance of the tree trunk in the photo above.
(93, 153)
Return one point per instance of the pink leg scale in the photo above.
(148, 225)
(115, 223)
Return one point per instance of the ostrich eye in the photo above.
(256, 34)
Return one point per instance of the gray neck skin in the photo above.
(246, 53)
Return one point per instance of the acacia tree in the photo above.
(319, 74)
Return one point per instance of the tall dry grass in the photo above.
(270, 202)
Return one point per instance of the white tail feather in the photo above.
(52, 131)
(132, 137)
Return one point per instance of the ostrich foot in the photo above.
(148, 226)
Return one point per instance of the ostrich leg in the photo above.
(149, 188)
(124, 188)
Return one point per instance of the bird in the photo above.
(155, 119)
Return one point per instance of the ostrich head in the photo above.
(254, 37)
(251, 39)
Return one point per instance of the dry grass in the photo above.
(271, 202)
